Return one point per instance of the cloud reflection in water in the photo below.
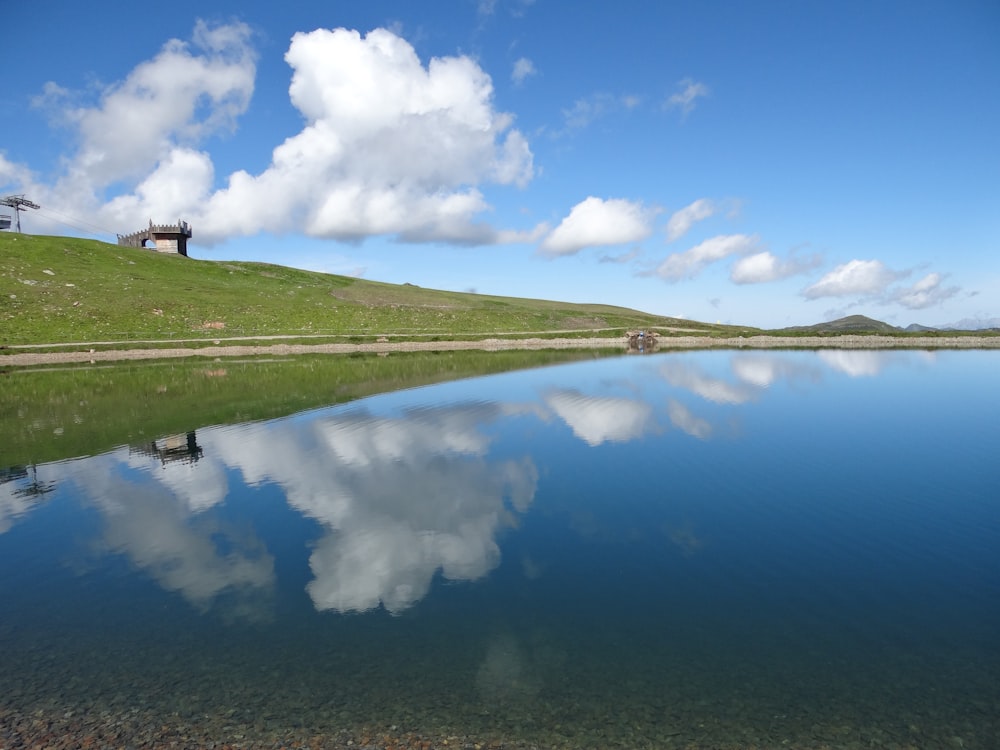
(400, 497)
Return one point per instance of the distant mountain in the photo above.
(973, 324)
(850, 324)
(966, 324)
(864, 324)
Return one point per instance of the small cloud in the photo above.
(520, 237)
(763, 267)
(925, 293)
(585, 111)
(632, 254)
(523, 68)
(858, 277)
(599, 104)
(688, 216)
(54, 100)
(595, 222)
(685, 99)
(486, 7)
(689, 263)
(13, 175)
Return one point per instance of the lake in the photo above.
(719, 549)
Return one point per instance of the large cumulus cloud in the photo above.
(389, 146)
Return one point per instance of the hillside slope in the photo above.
(61, 289)
(850, 324)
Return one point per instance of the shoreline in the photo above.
(25, 359)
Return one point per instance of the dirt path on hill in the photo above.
(666, 343)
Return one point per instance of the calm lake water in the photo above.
(699, 549)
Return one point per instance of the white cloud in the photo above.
(177, 97)
(174, 190)
(765, 266)
(925, 293)
(595, 222)
(13, 174)
(872, 280)
(390, 146)
(523, 68)
(690, 262)
(756, 268)
(625, 257)
(143, 129)
(857, 277)
(587, 109)
(685, 99)
(681, 221)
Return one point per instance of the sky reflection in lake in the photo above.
(633, 544)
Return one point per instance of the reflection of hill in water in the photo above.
(48, 415)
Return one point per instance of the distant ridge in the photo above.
(864, 324)
(850, 324)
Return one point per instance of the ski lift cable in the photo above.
(71, 221)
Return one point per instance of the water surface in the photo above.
(698, 549)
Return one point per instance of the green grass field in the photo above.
(60, 289)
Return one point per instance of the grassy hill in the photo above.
(62, 289)
(850, 324)
(863, 325)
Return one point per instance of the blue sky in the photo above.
(766, 163)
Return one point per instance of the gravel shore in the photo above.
(23, 358)
(137, 730)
